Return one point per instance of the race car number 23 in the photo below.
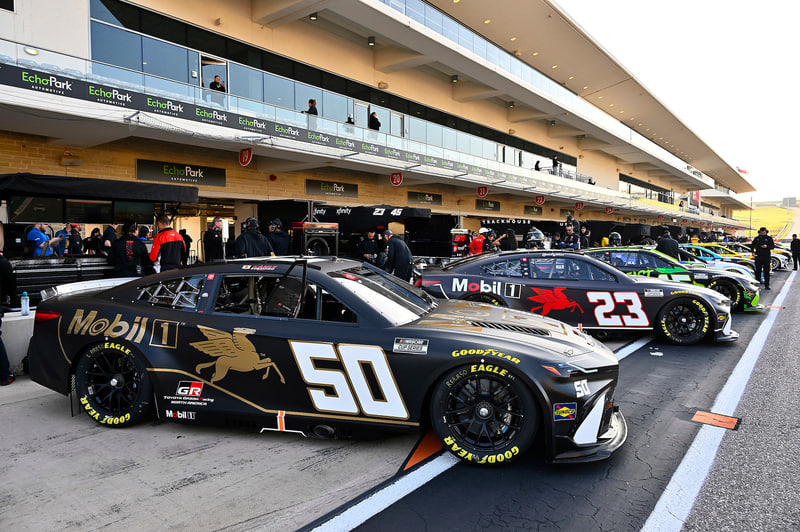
(635, 317)
(351, 393)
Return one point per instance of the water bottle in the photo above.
(25, 303)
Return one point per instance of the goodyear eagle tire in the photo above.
(484, 414)
(113, 386)
(491, 299)
(774, 263)
(684, 321)
(730, 291)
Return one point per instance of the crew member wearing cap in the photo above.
(75, 240)
(576, 226)
(398, 256)
(278, 238)
(252, 242)
(762, 253)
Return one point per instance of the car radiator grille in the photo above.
(515, 328)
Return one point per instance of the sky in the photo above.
(726, 68)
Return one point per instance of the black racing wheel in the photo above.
(113, 386)
(729, 290)
(484, 414)
(684, 321)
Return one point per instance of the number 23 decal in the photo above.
(635, 317)
(351, 393)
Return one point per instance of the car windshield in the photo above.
(398, 302)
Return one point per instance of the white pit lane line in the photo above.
(677, 500)
(395, 490)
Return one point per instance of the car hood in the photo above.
(496, 325)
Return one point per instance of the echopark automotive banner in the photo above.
(60, 85)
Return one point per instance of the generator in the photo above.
(316, 239)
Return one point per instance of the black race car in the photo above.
(743, 291)
(581, 290)
(327, 348)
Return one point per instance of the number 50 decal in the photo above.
(636, 316)
(351, 391)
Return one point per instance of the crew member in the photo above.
(41, 242)
(278, 238)
(570, 240)
(668, 246)
(762, 253)
(168, 246)
(398, 256)
(212, 241)
(252, 242)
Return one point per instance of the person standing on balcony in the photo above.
(312, 107)
(217, 85)
(374, 123)
(556, 165)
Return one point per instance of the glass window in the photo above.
(489, 149)
(417, 129)
(116, 47)
(449, 139)
(335, 106)
(492, 53)
(433, 18)
(463, 141)
(475, 146)
(450, 28)
(435, 134)
(416, 10)
(303, 93)
(465, 37)
(384, 115)
(504, 268)
(180, 293)
(278, 91)
(247, 82)
(165, 60)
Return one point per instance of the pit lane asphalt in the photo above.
(752, 482)
(60, 472)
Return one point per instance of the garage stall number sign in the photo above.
(351, 391)
(396, 179)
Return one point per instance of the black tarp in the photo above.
(25, 184)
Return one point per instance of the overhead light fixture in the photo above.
(454, 78)
(510, 105)
(383, 85)
(31, 51)
(218, 22)
(371, 40)
(313, 16)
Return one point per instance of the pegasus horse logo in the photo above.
(553, 300)
(233, 351)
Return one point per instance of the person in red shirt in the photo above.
(476, 246)
(168, 246)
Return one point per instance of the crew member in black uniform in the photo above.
(668, 246)
(398, 256)
(212, 241)
(252, 242)
(762, 251)
(570, 240)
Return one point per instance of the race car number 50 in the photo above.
(351, 391)
(636, 316)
